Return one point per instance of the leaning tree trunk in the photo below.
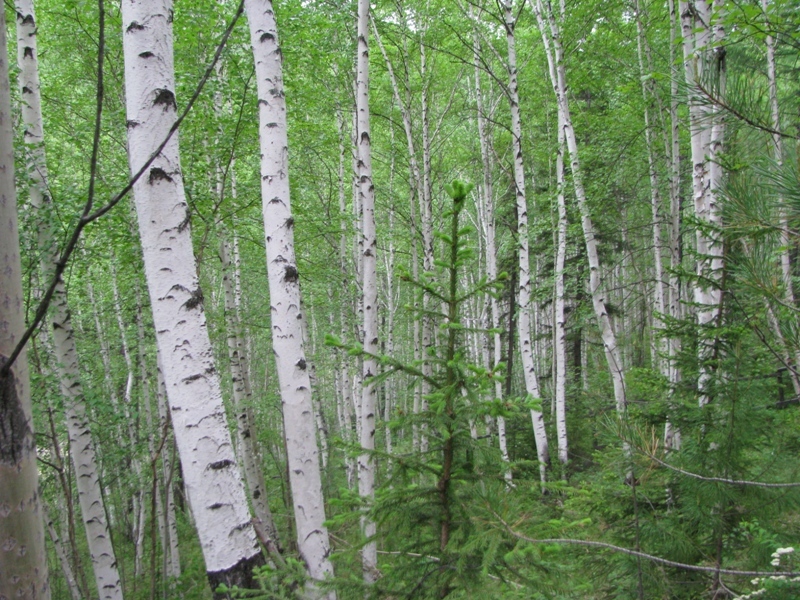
(82, 447)
(369, 285)
(211, 474)
(524, 289)
(284, 291)
(24, 574)
(551, 38)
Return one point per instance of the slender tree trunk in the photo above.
(284, 290)
(242, 401)
(210, 471)
(24, 574)
(169, 466)
(61, 553)
(655, 194)
(487, 193)
(82, 447)
(703, 35)
(524, 289)
(559, 315)
(551, 37)
(368, 248)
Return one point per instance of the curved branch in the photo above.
(652, 558)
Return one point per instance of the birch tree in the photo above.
(524, 289)
(211, 474)
(704, 68)
(551, 38)
(23, 560)
(284, 291)
(368, 247)
(90, 496)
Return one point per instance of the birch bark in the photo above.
(368, 247)
(701, 28)
(551, 38)
(524, 289)
(211, 474)
(559, 316)
(242, 401)
(23, 559)
(284, 290)
(82, 446)
(487, 192)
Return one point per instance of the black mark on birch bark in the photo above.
(14, 428)
(166, 99)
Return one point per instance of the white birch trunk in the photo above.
(559, 315)
(672, 438)
(524, 290)
(242, 401)
(491, 246)
(211, 474)
(706, 127)
(368, 248)
(171, 550)
(655, 197)
(82, 447)
(61, 553)
(551, 37)
(22, 550)
(284, 290)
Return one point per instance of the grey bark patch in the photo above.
(15, 431)
(165, 98)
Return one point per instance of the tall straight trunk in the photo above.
(672, 436)
(559, 315)
(344, 402)
(169, 466)
(785, 233)
(655, 194)
(426, 222)
(415, 187)
(703, 50)
(24, 573)
(487, 193)
(284, 291)
(368, 248)
(551, 38)
(82, 447)
(61, 554)
(210, 471)
(242, 401)
(524, 289)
